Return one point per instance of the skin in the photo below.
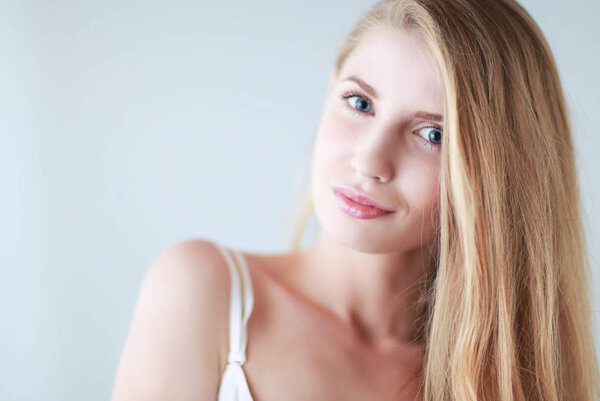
(362, 264)
(331, 321)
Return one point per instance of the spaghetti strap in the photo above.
(234, 386)
(248, 295)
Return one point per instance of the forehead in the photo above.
(401, 68)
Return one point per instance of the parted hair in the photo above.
(507, 307)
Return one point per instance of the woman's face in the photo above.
(379, 134)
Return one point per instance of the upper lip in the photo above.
(360, 197)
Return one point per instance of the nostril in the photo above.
(371, 167)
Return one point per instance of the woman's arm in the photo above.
(178, 335)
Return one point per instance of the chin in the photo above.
(366, 245)
(353, 233)
(362, 241)
(366, 236)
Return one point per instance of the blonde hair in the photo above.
(508, 312)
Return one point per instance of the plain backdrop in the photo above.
(127, 125)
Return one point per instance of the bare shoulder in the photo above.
(178, 334)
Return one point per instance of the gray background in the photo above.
(128, 125)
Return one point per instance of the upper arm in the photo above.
(175, 341)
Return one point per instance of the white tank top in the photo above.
(233, 386)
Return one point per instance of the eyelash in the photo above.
(353, 93)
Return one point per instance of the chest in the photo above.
(295, 373)
(295, 355)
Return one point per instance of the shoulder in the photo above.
(178, 335)
(189, 265)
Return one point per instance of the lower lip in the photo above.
(358, 210)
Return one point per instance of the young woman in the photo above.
(452, 261)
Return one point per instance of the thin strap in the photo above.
(248, 303)
(239, 311)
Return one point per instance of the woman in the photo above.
(451, 264)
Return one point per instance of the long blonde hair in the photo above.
(508, 312)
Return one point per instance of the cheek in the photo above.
(332, 143)
(421, 192)
(422, 188)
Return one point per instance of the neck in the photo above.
(375, 295)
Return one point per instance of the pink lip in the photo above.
(359, 197)
(356, 204)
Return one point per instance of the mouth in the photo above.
(358, 205)
(360, 198)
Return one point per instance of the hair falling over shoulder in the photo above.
(508, 314)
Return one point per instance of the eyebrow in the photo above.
(371, 91)
(366, 87)
(429, 116)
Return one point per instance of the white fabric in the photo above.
(233, 386)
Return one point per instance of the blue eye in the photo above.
(433, 135)
(359, 102)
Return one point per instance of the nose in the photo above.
(372, 158)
